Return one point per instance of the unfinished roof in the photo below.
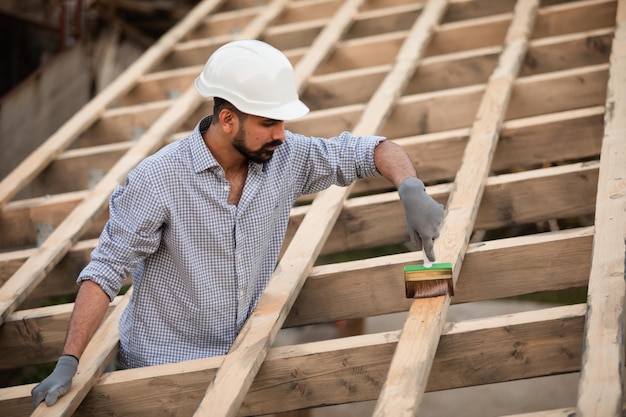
(514, 113)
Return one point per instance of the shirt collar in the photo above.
(202, 158)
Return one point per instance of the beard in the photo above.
(259, 156)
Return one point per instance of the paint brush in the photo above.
(430, 279)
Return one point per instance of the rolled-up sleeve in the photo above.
(133, 232)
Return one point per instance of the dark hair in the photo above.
(220, 104)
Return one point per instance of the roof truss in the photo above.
(542, 80)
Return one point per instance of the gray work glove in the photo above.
(423, 215)
(57, 383)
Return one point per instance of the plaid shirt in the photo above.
(199, 265)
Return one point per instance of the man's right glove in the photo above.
(57, 383)
(423, 215)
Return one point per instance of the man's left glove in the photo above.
(57, 383)
(423, 215)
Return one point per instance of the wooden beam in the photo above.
(491, 270)
(160, 86)
(521, 345)
(137, 118)
(561, 412)
(385, 20)
(404, 387)
(533, 95)
(321, 47)
(35, 336)
(569, 135)
(600, 390)
(557, 53)
(421, 113)
(576, 16)
(223, 23)
(194, 52)
(578, 87)
(506, 203)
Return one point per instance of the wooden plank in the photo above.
(576, 88)
(575, 16)
(486, 32)
(36, 336)
(344, 370)
(464, 10)
(70, 130)
(389, 19)
(342, 374)
(600, 390)
(322, 44)
(430, 111)
(19, 220)
(307, 10)
(160, 85)
(491, 270)
(322, 298)
(507, 202)
(222, 23)
(404, 387)
(375, 221)
(561, 412)
(295, 35)
(194, 52)
(371, 221)
(533, 95)
(562, 52)
(229, 386)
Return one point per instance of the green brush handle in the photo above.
(438, 266)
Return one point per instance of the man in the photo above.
(200, 223)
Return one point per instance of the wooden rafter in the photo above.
(409, 370)
(359, 361)
(600, 389)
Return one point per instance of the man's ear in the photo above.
(228, 120)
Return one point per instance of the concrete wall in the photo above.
(35, 109)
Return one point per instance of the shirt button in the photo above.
(242, 293)
(226, 188)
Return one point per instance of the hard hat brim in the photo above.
(288, 111)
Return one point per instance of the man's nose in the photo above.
(279, 131)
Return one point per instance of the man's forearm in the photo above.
(393, 162)
(89, 310)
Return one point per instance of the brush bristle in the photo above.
(429, 288)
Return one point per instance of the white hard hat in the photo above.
(255, 77)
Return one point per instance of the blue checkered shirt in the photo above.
(199, 265)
